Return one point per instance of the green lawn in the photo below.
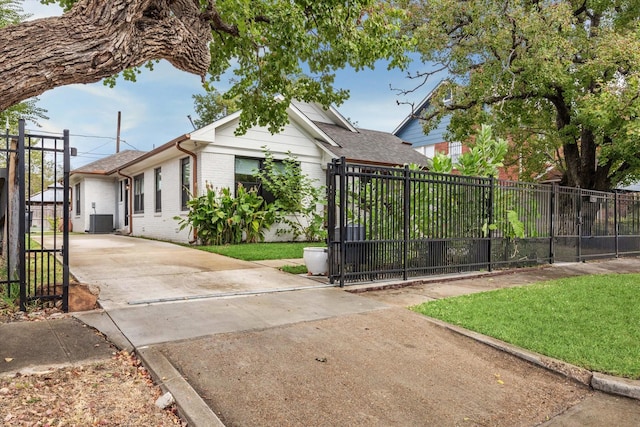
(262, 251)
(589, 321)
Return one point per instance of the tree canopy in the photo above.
(276, 49)
(212, 106)
(11, 13)
(560, 79)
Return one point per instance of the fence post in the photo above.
(65, 225)
(552, 213)
(331, 222)
(615, 222)
(18, 210)
(579, 219)
(492, 183)
(407, 206)
(342, 217)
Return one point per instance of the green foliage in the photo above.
(298, 198)
(11, 12)
(560, 319)
(484, 158)
(222, 218)
(291, 49)
(213, 106)
(560, 78)
(54, 223)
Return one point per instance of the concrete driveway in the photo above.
(132, 271)
(303, 354)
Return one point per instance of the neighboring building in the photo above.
(45, 209)
(143, 192)
(411, 130)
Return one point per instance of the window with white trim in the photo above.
(138, 194)
(455, 150)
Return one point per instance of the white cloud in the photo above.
(38, 10)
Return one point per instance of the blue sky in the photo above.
(155, 108)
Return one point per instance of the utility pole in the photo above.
(118, 134)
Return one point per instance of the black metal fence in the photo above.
(34, 218)
(391, 223)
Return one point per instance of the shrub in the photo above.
(297, 198)
(224, 219)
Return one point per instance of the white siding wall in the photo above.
(161, 225)
(217, 169)
(216, 165)
(98, 190)
(218, 159)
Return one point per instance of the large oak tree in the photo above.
(11, 13)
(277, 49)
(560, 79)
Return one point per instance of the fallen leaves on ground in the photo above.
(114, 392)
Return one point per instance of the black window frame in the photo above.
(78, 199)
(157, 179)
(185, 182)
(255, 182)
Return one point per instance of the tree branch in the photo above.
(99, 39)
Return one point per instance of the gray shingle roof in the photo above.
(111, 163)
(370, 146)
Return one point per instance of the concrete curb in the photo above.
(191, 407)
(597, 381)
(615, 385)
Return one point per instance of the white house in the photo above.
(140, 193)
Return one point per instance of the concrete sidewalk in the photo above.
(303, 354)
(38, 346)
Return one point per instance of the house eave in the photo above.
(152, 153)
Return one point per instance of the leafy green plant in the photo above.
(220, 218)
(484, 157)
(54, 223)
(298, 199)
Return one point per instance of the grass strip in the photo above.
(294, 269)
(262, 251)
(588, 321)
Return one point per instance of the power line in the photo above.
(111, 138)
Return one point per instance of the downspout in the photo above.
(194, 178)
(130, 205)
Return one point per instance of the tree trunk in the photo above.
(99, 39)
(12, 239)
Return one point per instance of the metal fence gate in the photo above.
(397, 223)
(34, 218)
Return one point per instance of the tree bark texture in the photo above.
(100, 38)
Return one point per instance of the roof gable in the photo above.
(411, 129)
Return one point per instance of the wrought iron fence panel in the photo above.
(402, 222)
(34, 217)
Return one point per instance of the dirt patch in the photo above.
(114, 392)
